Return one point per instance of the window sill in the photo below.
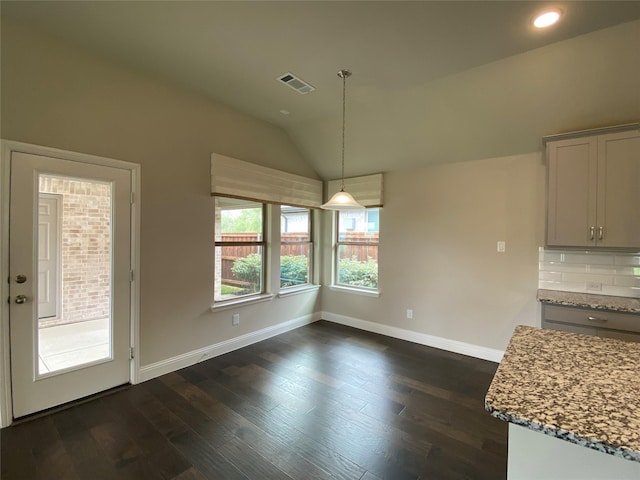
(297, 290)
(265, 297)
(357, 291)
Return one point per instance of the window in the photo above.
(357, 248)
(296, 246)
(239, 248)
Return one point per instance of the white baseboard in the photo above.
(455, 346)
(153, 370)
(147, 372)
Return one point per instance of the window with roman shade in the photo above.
(243, 194)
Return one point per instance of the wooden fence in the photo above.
(231, 254)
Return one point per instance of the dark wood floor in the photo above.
(323, 401)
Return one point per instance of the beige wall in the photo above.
(438, 233)
(57, 95)
(439, 226)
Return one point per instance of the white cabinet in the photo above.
(535, 456)
(594, 190)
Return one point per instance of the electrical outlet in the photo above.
(409, 313)
(235, 319)
(501, 246)
(594, 286)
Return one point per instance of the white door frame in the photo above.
(6, 148)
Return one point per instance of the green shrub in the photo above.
(249, 269)
(293, 270)
(358, 274)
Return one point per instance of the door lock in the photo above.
(20, 299)
(21, 278)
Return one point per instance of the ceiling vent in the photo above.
(299, 85)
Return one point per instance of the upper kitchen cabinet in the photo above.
(594, 189)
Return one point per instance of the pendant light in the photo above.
(342, 200)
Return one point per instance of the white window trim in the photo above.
(248, 300)
(339, 287)
(265, 265)
(287, 292)
(313, 242)
(369, 292)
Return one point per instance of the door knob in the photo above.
(20, 299)
(21, 278)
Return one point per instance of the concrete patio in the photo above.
(65, 346)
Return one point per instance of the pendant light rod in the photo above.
(343, 200)
(343, 74)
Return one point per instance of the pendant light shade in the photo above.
(343, 200)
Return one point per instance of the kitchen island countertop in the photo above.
(579, 388)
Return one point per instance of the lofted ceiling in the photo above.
(432, 82)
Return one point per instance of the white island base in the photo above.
(536, 456)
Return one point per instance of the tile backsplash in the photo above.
(604, 273)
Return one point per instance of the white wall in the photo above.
(438, 233)
(57, 95)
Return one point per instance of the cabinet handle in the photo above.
(600, 233)
(598, 320)
(592, 233)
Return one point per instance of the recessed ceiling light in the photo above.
(546, 19)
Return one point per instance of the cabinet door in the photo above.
(618, 211)
(572, 183)
(626, 336)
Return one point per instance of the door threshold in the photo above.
(73, 403)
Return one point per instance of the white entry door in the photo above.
(83, 347)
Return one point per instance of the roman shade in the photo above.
(366, 190)
(235, 178)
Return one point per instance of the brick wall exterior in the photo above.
(86, 248)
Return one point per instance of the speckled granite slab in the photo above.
(589, 300)
(580, 388)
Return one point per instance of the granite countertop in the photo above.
(579, 388)
(589, 300)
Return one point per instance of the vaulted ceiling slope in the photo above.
(432, 82)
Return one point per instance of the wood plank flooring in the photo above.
(321, 402)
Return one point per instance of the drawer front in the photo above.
(569, 327)
(591, 318)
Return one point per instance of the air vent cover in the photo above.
(299, 85)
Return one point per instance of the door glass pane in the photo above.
(74, 272)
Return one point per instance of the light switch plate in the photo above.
(597, 286)
(502, 246)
